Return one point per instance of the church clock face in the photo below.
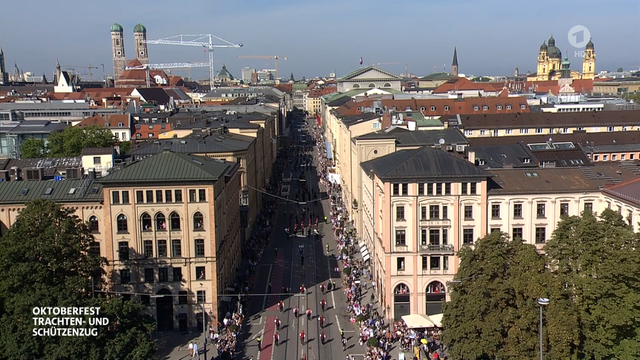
(141, 53)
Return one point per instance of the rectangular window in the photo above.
(115, 197)
(167, 195)
(182, 298)
(495, 211)
(192, 195)
(396, 189)
(473, 189)
(445, 262)
(125, 197)
(467, 236)
(445, 212)
(540, 210)
(159, 196)
(468, 212)
(434, 236)
(148, 248)
(178, 196)
(123, 250)
(149, 275)
(125, 276)
(177, 274)
(162, 248)
(202, 195)
(176, 248)
(401, 237)
(94, 249)
(434, 212)
(149, 196)
(447, 188)
(163, 275)
(517, 211)
(423, 237)
(96, 160)
(464, 188)
(420, 189)
(517, 233)
(199, 247)
(425, 263)
(434, 262)
(139, 196)
(541, 235)
(145, 299)
(423, 213)
(495, 230)
(564, 209)
(429, 188)
(438, 189)
(201, 296)
(200, 272)
(400, 263)
(405, 189)
(445, 236)
(588, 206)
(400, 213)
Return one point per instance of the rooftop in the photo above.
(63, 191)
(168, 166)
(422, 163)
(405, 137)
(550, 120)
(227, 143)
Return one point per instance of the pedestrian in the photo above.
(195, 349)
(191, 349)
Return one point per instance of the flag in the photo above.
(360, 60)
(319, 119)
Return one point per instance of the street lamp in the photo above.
(542, 302)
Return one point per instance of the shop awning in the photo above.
(366, 257)
(418, 321)
(328, 145)
(364, 251)
(436, 319)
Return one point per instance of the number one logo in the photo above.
(579, 36)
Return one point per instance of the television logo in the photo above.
(578, 37)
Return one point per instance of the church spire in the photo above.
(454, 64)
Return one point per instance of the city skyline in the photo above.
(492, 37)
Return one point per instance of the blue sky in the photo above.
(493, 37)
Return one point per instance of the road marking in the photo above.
(340, 328)
(260, 322)
(266, 289)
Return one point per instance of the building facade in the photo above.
(173, 224)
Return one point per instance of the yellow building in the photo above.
(550, 63)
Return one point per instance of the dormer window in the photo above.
(107, 125)
(526, 161)
(485, 107)
(476, 108)
(120, 125)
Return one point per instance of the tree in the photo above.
(595, 299)
(620, 69)
(33, 148)
(493, 310)
(125, 146)
(45, 261)
(73, 139)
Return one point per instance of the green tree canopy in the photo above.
(595, 296)
(493, 310)
(33, 148)
(73, 139)
(45, 261)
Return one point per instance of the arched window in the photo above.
(161, 222)
(372, 85)
(175, 221)
(435, 297)
(198, 221)
(401, 301)
(356, 86)
(387, 85)
(121, 223)
(146, 222)
(93, 223)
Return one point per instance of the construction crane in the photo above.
(200, 40)
(269, 57)
(89, 67)
(148, 67)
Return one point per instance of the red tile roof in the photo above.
(579, 85)
(111, 120)
(464, 84)
(319, 92)
(627, 190)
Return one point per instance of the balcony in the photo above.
(436, 249)
(435, 222)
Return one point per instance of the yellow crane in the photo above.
(268, 57)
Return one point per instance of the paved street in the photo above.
(287, 269)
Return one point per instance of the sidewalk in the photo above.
(175, 346)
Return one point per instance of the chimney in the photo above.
(471, 156)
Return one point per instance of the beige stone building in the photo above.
(171, 226)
